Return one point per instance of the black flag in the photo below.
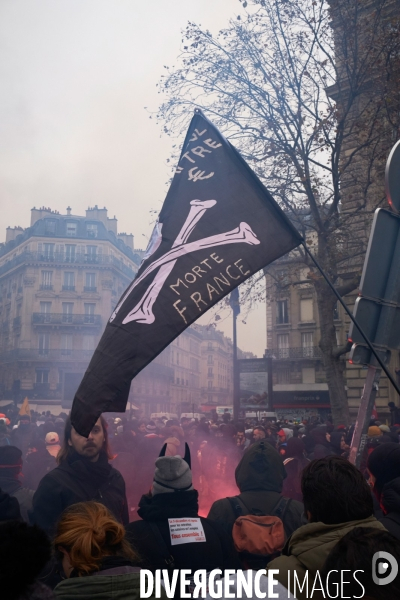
(217, 227)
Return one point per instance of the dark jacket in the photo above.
(36, 466)
(390, 501)
(78, 480)
(259, 477)
(216, 552)
(12, 486)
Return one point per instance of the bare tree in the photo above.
(305, 90)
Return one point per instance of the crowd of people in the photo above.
(82, 517)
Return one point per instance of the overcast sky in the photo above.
(75, 76)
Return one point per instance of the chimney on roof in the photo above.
(68, 210)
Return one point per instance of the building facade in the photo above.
(59, 280)
(293, 334)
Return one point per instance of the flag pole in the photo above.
(346, 308)
(236, 393)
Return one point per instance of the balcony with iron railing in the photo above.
(67, 258)
(88, 288)
(45, 355)
(65, 319)
(306, 352)
(68, 288)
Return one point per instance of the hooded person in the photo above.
(294, 463)
(322, 447)
(171, 532)
(259, 477)
(10, 470)
(384, 468)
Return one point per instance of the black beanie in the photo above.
(384, 464)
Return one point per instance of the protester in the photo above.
(354, 554)
(322, 445)
(10, 471)
(173, 497)
(97, 560)
(37, 464)
(52, 443)
(294, 463)
(384, 468)
(24, 434)
(336, 499)
(259, 477)
(4, 435)
(338, 443)
(24, 551)
(9, 508)
(394, 414)
(258, 434)
(83, 473)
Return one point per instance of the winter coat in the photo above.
(110, 583)
(259, 477)
(23, 436)
(9, 508)
(13, 486)
(390, 501)
(78, 480)
(37, 591)
(292, 484)
(215, 553)
(308, 548)
(36, 466)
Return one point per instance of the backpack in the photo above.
(257, 536)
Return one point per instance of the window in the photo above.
(91, 230)
(67, 308)
(47, 280)
(48, 251)
(307, 344)
(72, 229)
(210, 359)
(210, 346)
(69, 281)
(88, 343)
(308, 374)
(91, 254)
(283, 375)
(70, 252)
(336, 311)
(282, 315)
(89, 313)
(42, 376)
(66, 344)
(90, 282)
(44, 343)
(45, 308)
(210, 372)
(210, 383)
(283, 345)
(50, 226)
(306, 310)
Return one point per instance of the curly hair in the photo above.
(89, 532)
(334, 491)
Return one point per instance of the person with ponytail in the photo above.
(97, 560)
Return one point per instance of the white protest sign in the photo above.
(186, 530)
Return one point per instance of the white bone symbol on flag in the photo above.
(142, 312)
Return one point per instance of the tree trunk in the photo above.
(334, 365)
